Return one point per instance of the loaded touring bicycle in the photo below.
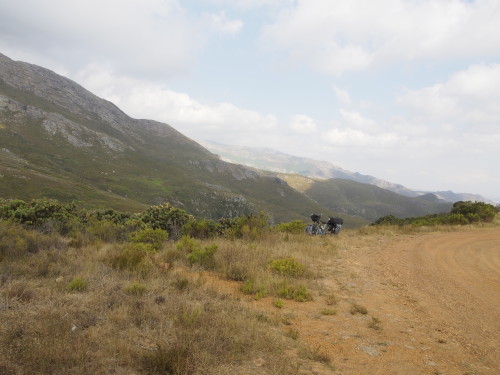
(332, 226)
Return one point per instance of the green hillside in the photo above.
(371, 202)
(58, 140)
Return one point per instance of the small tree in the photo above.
(166, 217)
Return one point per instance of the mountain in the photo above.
(271, 160)
(365, 200)
(58, 140)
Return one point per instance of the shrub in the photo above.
(287, 267)
(387, 220)
(135, 289)
(131, 256)
(295, 226)
(248, 227)
(153, 237)
(297, 293)
(250, 287)
(204, 258)
(115, 217)
(103, 230)
(278, 303)
(78, 284)
(200, 228)
(166, 217)
(328, 312)
(460, 214)
(474, 211)
(358, 309)
(38, 212)
(15, 241)
(188, 245)
(455, 219)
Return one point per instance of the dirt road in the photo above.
(432, 300)
(403, 304)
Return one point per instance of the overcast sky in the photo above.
(404, 90)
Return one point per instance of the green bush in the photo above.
(295, 226)
(48, 213)
(456, 219)
(166, 217)
(250, 287)
(294, 292)
(205, 257)
(328, 312)
(103, 230)
(153, 237)
(110, 215)
(286, 267)
(188, 245)
(278, 303)
(201, 228)
(248, 227)
(461, 213)
(474, 211)
(78, 284)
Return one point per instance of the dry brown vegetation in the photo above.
(278, 304)
(112, 308)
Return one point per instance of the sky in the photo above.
(403, 90)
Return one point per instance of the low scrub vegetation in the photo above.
(127, 292)
(101, 292)
(462, 213)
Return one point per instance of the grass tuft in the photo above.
(78, 284)
(358, 309)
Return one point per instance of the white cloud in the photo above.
(249, 4)
(360, 141)
(343, 96)
(356, 120)
(219, 23)
(467, 102)
(195, 118)
(338, 36)
(302, 124)
(154, 38)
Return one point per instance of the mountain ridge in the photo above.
(59, 140)
(277, 161)
(63, 132)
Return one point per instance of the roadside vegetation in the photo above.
(104, 291)
(462, 213)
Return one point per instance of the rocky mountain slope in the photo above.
(59, 140)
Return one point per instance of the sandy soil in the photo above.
(432, 301)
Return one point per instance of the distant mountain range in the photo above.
(271, 160)
(59, 140)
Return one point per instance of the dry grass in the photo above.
(117, 308)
